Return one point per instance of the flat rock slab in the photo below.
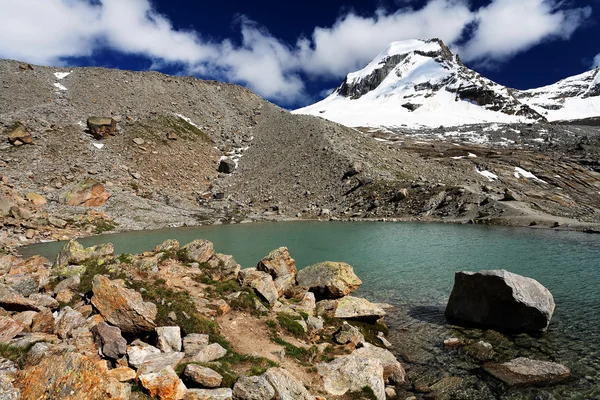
(527, 372)
(329, 280)
(203, 376)
(208, 394)
(352, 374)
(286, 386)
(253, 388)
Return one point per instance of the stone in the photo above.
(193, 343)
(226, 165)
(43, 301)
(253, 388)
(11, 300)
(7, 390)
(57, 222)
(25, 319)
(172, 136)
(139, 141)
(67, 321)
(205, 377)
(286, 386)
(9, 328)
(199, 251)
(37, 353)
(122, 374)
(527, 372)
(314, 324)
(7, 367)
(122, 307)
(351, 374)
(87, 193)
(72, 283)
(209, 394)
(168, 338)
(482, 351)
(102, 127)
(64, 296)
(511, 195)
(400, 195)
(383, 340)
(454, 343)
(71, 376)
(350, 307)
(74, 253)
(261, 282)
(25, 339)
(500, 300)
(282, 268)
(164, 384)
(393, 372)
(169, 245)
(209, 353)
(329, 280)
(223, 268)
(154, 363)
(25, 285)
(20, 134)
(6, 203)
(348, 334)
(390, 393)
(136, 354)
(109, 341)
(221, 306)
(36, 199)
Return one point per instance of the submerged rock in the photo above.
(501, 300)
(329, 280)
(527, 372)
(350, 307)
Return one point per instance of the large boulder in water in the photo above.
(501, 300)
(329, 280)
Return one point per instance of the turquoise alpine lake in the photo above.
(411, 266)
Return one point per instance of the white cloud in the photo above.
(507, 27)
(49, 31)
(596, 62)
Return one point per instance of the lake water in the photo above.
(412, 266)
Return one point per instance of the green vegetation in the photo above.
(246, 301)
(303, 355)
(125, 258)
(291, 325)
(162, 124)
(16, 354)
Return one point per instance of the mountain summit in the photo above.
(420, 83)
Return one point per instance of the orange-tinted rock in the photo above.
(165, 384)
(43, 322)
(36, 199)
(88, 193)
(9, 328)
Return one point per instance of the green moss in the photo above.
(93, 268)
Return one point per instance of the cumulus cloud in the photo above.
(596, 62)
(51, 31)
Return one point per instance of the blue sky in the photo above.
(293, 52)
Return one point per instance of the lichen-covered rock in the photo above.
(44, 301)
(67, 321)
(203, 376)
(169, 245)
(351, 374)
(193, 343)
(122, 374)
(209, 353)
(11, 300)
(102, 126)
(199, 251)
(122, 307)
(164, 384)
(527, 372)
(501, 300)
(138, 351)
(253, 388)
(74, 253)
(350, 307)
(393, 372)
(7, 390)
(87, 193)
(109, 341)
(348, 334)
(282, 268)
(261, 282)
(71, 376)
(223, 268)
(329, 280)
(286, 386)
(168, 338)
(19, 135)
(208, 394)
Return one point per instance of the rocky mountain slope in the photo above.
(418, 83)
(161, 168)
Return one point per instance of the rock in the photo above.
(393, 372)
(348, 334)
(314, 324)
(64, 296)
(43, 322)
(164, 384)
(71, 283)
(67, 321)
(481, 351)
(122, 374)
(172, 136)
(390, 393)
(169, 245)
(528, 372)
(253, 388)
(71, 376)
(383, 340)
(11, 300)
(400, 195)
(193, 343)
(352, 374)
(221, 306)
(24, 318)
(138, 353)
(9, 328)
(208, 394)
(154, 363)
(122, 307)
(282, 268)
(75, 253)
(226, 165)
(286, 386)
(139, 141)
(19, 134)
(350, 307)
(199, 251)
(7, 390)
(109, 341)
(261, 282)
(36, 199)
(168, 338)
(511, 195)
(102, 127)
(209, 353)
(25, 285)
(329, 280)
(6, 203)
(223, 268)
(205, 377)
(87, 193)
(57, 222)
(454, 343)
(500, 300)
(43, 301)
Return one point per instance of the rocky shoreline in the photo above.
(189, 323)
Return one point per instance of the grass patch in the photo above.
(291, 325)
(305, 356)
(246, 301)
(93, 268)
(18, 355)
(125, 258)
